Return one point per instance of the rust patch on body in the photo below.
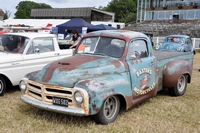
(174, 70)
(116, 64)
(69, 64)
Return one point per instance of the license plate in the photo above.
(60, 101)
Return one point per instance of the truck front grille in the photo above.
(45, 93)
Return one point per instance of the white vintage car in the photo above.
(22, 53)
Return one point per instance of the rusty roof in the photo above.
(59, 12)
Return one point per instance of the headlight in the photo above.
(78, 97)
(22, 85)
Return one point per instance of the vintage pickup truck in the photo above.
(22, 53)
(108, 70)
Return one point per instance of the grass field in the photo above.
(161, 114)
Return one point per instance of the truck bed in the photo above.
(161, 55)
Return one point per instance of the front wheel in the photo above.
(180, 87)
(2, 86)
(109, 111)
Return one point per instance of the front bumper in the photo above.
(54, 108)
(41, 96)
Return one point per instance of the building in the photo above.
(56, 16)
(87, 13)
(1, 15)
(174, 11)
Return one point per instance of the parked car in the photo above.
(67, 38)
(22, 53)
(64, 41)
(108, 69)
(179, 43)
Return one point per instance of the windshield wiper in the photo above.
(95, 53)
(87, 53)
(100, 54)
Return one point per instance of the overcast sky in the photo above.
(10, 5)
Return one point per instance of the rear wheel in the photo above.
(2, 86)
(109, 111)
(180, 87)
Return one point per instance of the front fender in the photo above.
(173, 70)
(100, 88)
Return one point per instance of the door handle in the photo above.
(152, 62)
(15, 63)
(57, 54)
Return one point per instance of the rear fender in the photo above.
(100, 88)
(174, 69)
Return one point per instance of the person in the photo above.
(11, 43)
(173, 39)
(65, 33)
(75, 38)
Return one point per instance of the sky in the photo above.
(9, 5)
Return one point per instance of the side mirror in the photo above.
(37, 50)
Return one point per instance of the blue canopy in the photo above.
(77, 23)
(100, 27)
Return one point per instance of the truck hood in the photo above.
(68, 71)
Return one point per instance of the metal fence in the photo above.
(196, 41)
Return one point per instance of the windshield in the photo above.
(12, 43)
(174, 39)
(112, 47)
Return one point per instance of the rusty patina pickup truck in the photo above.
(108, 70)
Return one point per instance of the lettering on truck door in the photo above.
(141, 66)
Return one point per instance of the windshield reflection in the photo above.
(112, 47)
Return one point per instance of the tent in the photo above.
(77, 23)
(100, 27)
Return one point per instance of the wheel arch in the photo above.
(122, 100)
(7, 80)
(188, 77)
(102, 87)
(173, 70)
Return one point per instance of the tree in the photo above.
(6, 14)
(125, 10)
(42, 6)
(24, 8)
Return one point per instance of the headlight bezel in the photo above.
(22, 85)
(78, 96)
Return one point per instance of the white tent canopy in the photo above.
(34, 22)
(38, 23)
(1, 24)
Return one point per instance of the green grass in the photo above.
(160, 114)
(197, 50)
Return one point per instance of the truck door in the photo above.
(142, 69)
